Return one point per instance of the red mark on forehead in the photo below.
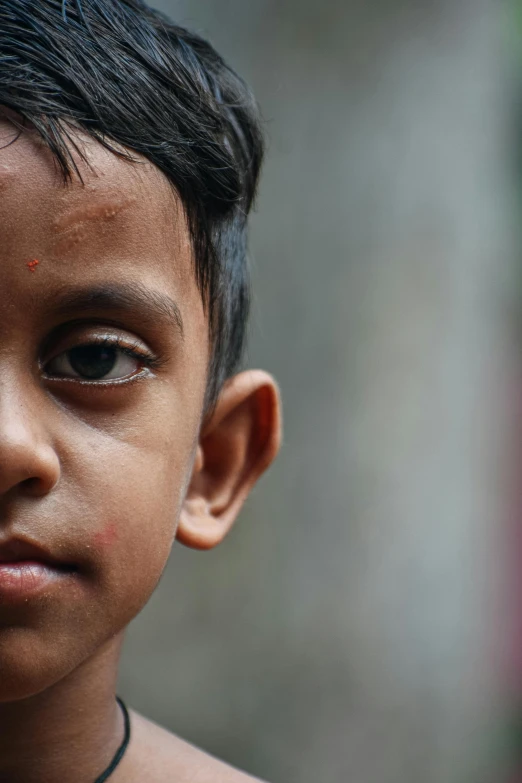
(106, 537)
(32, 265)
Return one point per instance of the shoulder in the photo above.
(158, 756)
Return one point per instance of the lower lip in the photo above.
(22, 580)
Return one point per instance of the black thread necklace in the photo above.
(123, 747)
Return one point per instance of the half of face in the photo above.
(105, 453)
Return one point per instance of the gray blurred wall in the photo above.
(339, 633)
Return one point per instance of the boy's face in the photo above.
(103, 367)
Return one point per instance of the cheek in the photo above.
(107, 537)
(133, 527)
(123, 484)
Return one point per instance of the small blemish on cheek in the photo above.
(6, 177)
(106, 537)
(32, 265)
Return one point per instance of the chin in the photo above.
(30, 664)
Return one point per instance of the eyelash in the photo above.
(147, 360)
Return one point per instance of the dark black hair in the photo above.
(128, 76)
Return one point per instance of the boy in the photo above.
(129, 159)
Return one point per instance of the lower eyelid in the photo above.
(144, 373)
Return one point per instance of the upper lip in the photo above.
(18, 550)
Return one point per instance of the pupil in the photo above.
(92, 361)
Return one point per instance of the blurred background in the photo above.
(353, 627)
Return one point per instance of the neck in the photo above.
(70, 731)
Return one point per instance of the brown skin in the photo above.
(105, 474)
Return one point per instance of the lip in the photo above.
(27, 569)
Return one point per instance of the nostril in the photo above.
(32, 486)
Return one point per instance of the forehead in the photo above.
(120, 220)
(116, 203)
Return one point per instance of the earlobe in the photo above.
(236, 446)
(198, 528)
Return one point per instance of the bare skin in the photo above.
(102, 474)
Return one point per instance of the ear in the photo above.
(236, 446)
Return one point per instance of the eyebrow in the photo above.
(134, 299)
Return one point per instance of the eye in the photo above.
(101, 361)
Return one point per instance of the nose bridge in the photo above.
(27, 455)
(16, 421)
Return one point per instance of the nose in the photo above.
(29, 463)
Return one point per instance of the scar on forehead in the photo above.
(72, 228)
(103, 211)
